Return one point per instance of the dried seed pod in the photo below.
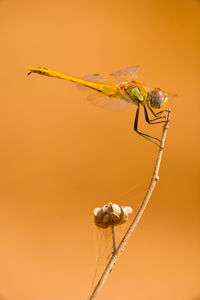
(111, 214)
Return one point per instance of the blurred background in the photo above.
(61, 156)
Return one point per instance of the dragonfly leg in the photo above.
(146, 136)
(152, 121)
(158, 113)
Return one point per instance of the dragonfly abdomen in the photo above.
(105, 88)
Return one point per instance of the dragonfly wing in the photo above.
(170, 95)
(91, 77)
(109, 103)
(126, 73)
(100, 99)
(94, 77)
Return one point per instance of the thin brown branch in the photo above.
(139, 214)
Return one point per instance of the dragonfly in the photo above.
(119, 93)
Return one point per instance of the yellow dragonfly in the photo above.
(119, 93)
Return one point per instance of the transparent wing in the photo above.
(100, 99)
(109, 103)
(170, 95)
(93, 78)
(128, 73)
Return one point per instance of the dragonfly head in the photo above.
(157, 98)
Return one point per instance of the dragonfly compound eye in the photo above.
(157, 98)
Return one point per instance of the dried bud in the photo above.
(111, 214)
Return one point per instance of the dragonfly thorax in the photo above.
(136, 93)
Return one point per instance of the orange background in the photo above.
(61, 157)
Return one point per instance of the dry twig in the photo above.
(139, 214)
